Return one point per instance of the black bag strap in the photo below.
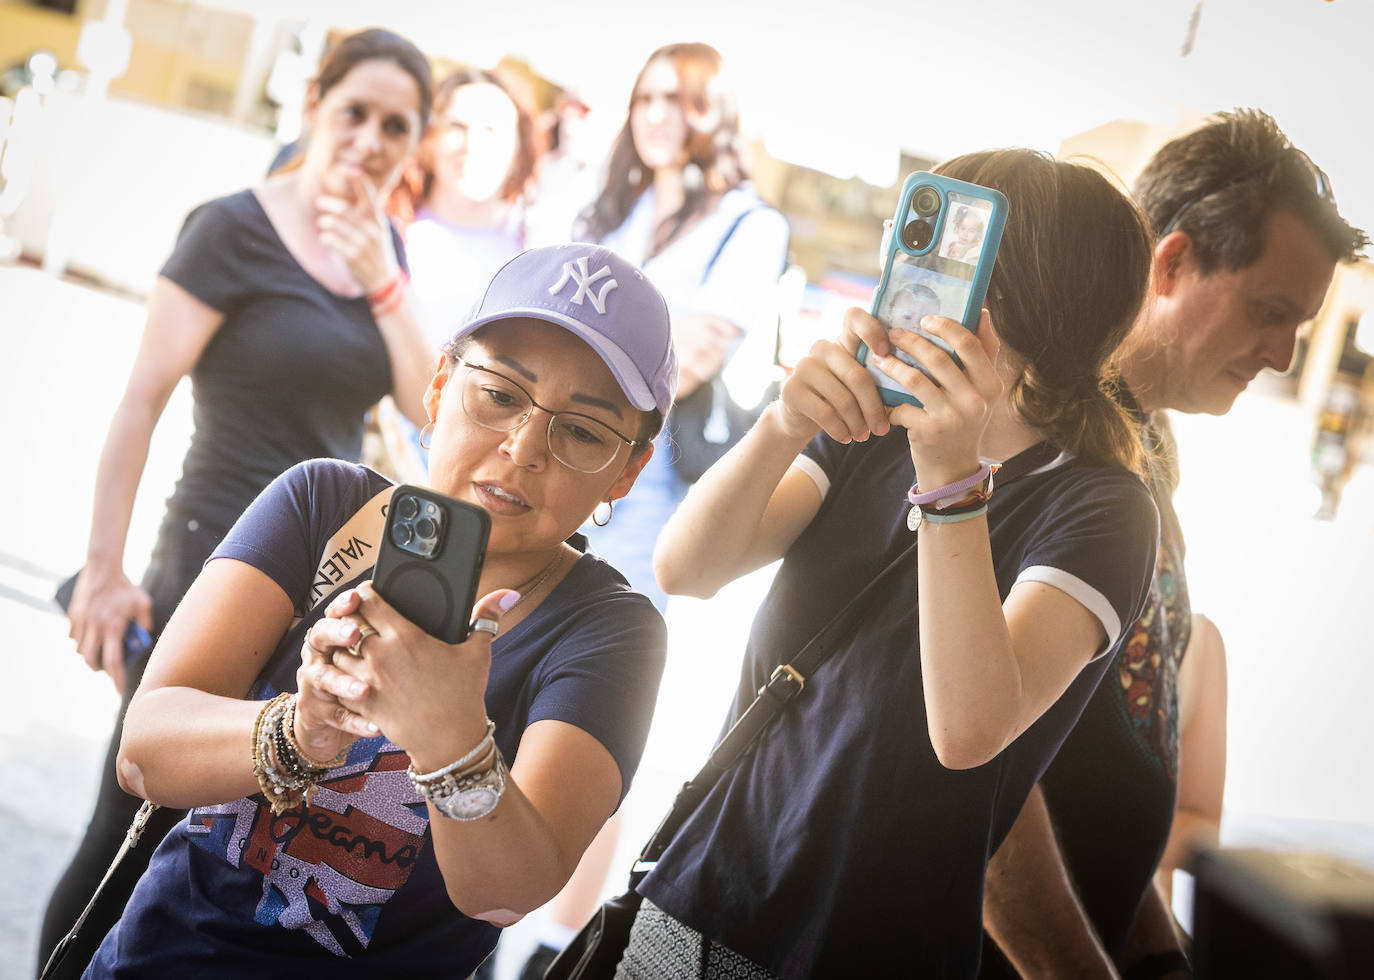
(725, 239)
(131, 838)
(785, 683)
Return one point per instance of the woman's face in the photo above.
(658, 124)
(534, 501)
(365, 126)
(475, 141)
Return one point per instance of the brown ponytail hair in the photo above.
(1070, 278)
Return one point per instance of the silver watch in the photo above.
(466, 797)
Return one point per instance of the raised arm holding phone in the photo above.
(853, 840)
(370, 799)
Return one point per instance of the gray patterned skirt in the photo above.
(662, 948)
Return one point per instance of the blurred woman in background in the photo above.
(677, 200)
(462, 200)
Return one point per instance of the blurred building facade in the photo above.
(211, 89)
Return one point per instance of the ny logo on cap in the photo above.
(577, 273)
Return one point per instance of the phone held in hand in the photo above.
(937, 260)
(137, 641)
(430, 560)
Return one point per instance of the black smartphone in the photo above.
(430, 559)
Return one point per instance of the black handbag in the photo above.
(704, 425)
(595, 951)
(707, 423)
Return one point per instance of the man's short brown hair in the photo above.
(1227, 178)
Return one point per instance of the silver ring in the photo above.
(484, 625)
(364, 631)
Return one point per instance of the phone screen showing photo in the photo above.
(939, 282)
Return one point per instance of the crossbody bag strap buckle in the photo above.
(784, 684)
(140, 823)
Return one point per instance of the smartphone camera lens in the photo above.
(926, 201)
(426, 529)
(916, 235)
(402, 534)
(407, 507)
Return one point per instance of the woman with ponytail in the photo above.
(853, 839)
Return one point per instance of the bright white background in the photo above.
(841, 86)
(838, 86)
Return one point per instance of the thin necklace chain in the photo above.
(539, 579)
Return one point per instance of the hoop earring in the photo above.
(429, 427)
(610, 512)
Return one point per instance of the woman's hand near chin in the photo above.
(359, 231)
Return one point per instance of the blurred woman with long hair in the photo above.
(677, 200)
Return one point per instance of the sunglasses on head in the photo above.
(1321, 184)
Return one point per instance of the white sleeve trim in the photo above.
(813, 469)
(1074, 587)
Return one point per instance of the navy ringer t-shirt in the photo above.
(350, 884)
(841, 846)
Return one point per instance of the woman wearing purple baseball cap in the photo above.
(542, 407)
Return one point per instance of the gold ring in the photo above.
(364, 631)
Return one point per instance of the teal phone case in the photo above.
(947, 275)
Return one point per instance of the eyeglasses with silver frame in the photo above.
(578, 441)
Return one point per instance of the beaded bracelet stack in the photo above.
(469, 788)
(286, 775)
(962, 500)
(389, 296)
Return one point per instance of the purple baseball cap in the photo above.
(602, 298)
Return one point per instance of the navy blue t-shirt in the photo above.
(350, 884)
(841, 846)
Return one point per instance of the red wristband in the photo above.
(382, 292)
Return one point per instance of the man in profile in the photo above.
(1248, 240)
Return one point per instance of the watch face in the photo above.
(470, 803)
